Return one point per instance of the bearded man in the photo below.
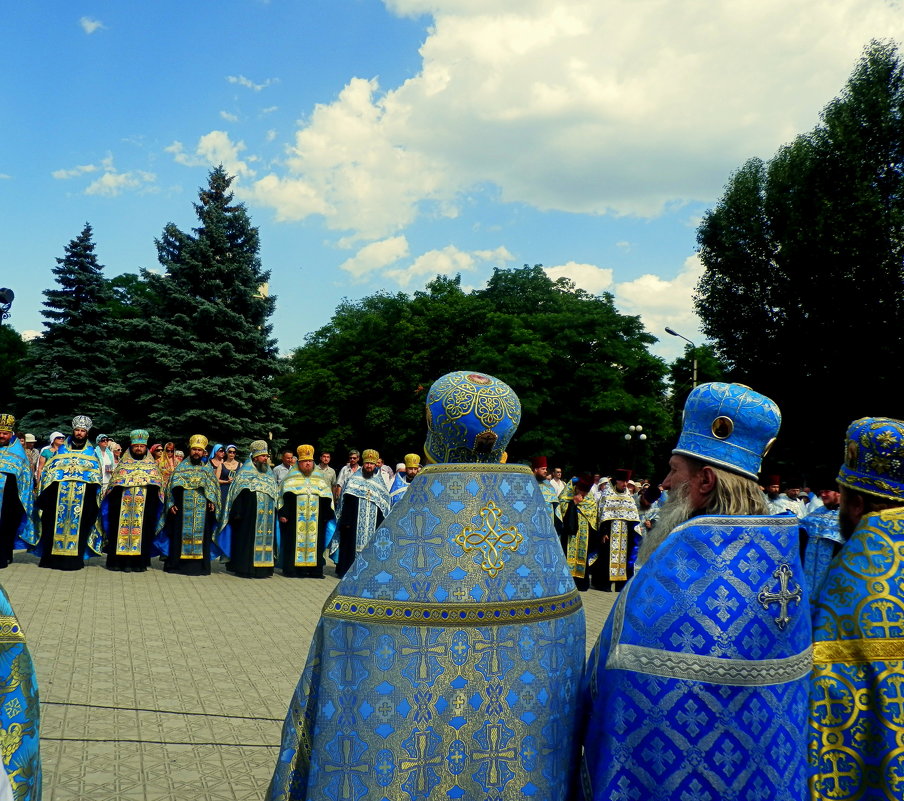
(306, 518)
(578, 533)
(697, 686)
(68, 501)
(17, 493)
(363, 503)
(131, 509)
(858, 626)
(248, 523)
(403, 480)
(619, 531)
(193, 503)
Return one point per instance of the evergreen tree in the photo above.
(202, 358)
(70, 369)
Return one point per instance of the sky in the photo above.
(377, 144)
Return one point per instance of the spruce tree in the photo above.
(70, 370)
(204, 361)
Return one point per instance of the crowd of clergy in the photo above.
(756, 648)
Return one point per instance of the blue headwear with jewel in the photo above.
(139, 437)
(470, 418)
(728, 426)
(874, 457)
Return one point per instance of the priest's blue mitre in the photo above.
(447, 662)
(697, 687)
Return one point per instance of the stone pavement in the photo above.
(157, 687)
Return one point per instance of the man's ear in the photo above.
(707, 479)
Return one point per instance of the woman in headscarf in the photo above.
(166, 461)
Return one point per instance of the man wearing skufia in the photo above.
(248, 534)
(132, 507)
(619, 519)
(697, 687)
(403, 480)
(17, 493)
(68, 501)
(306, 518)
(580, 543)
(540, 470)
(856, 714)
(823, 536)
(363, 503)
(192, 504)
(446, 664)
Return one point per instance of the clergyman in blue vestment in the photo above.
(857, 686)
(17, 493)
(697, 686)
(447, 662)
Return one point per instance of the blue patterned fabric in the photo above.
(19, 708)
(399, 486)
(857, 686)
(372, 496)
(470, 418)
(266, 527)
(78, 473)
(730, 426)
(874, 457)
(14, 462)
(823, 538)
(447, 662)
(697, 687)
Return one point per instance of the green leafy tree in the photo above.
(202, 359)
(69, 369)
(804, 259)
(12, 353)
(581, 369)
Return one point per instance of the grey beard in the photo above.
(261, 467)
(676, 510)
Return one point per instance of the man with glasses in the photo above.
(107, 462)
(347, 472)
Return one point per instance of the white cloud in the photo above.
(90, 26)
(375, 256)
(213, 148)
(588, 277)
(74, 172)
(229, 117)
(271, 135)
(448, 261)
(112, 182)
(269, 109)
(661, 302)
(621, 107)
(29, 334)
(5, 176)
(241, 80)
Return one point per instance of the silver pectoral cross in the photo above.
(783, 597)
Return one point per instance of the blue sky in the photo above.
(377, 144)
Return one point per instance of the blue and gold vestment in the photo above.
(824, 539)
(307, 504)
(70, 491)
(697, 687)
(857, 686)
(250, 542)
(447, 662)
(19, 708)
(14, 462)
(184, 538)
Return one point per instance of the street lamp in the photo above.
(632, 430)
(674, 333)
(6, 300)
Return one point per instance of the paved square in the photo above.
(157, 687)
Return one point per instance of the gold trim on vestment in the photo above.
(873, 649)
(10, 629)
(403, 613)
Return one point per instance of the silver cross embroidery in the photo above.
(783, 597)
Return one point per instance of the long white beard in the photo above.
(676, 510)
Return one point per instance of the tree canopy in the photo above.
(804, 266)
(582, 370)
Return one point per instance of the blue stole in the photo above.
(266, 527)
(447, 662)
(697, 686)
(372, 496)
(823, 534)
(857, 686)
(14, 462)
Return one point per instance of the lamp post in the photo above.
(6, 300)
(634, 432)
(674, 333)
